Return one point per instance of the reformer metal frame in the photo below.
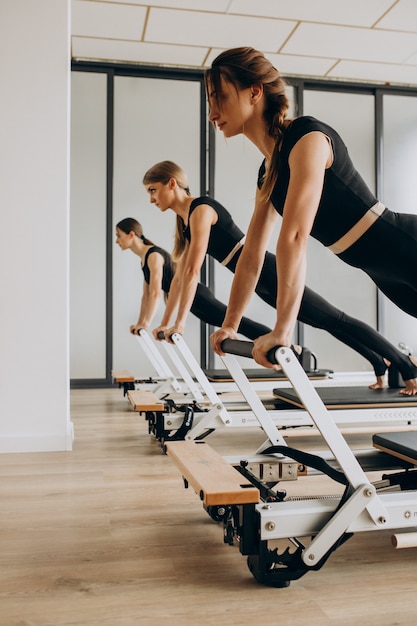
(217, 414)
(191, 381)
(404, 415)
(165, 372)
(214, 411)
(167, 380)
(255, 413)
(328, 522)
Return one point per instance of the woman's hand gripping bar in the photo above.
(244, 348)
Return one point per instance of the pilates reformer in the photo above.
(351, 405)
(195, 414)
(242, 493)
(162, 382)
(172, 376)
(170, 401)
(194, 417)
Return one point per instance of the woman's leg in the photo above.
(319, 313)
(403, 296)
(387, 252)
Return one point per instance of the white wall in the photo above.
(34, 387)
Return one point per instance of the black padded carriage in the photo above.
(351, 398)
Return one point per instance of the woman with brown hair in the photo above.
(158, 272)
(204, 226)
(308, 178)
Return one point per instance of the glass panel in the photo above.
(237, 164)
(88, 225)
(345, 287)
(154, 120)
(400, 192)
(236, 173)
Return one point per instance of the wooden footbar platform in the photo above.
(351, 398)
(144, 401)
(400, 444)
(122, 376)
(212, 478)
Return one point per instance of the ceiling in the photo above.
(372, 41)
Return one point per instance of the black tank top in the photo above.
(345, 197)
(224, 234)
(168, 269)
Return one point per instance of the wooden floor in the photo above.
(106, 535)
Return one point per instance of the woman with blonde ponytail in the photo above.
(204, 226)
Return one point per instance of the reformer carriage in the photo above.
(246, 494)
(181, 401)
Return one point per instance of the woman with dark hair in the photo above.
(158, 272)
(204, 226)
(308, 178)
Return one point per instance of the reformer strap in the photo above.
(310, 460)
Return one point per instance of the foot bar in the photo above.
(144, 401)
(214, 480)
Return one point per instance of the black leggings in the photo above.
(317, 312)
(211, 311)
(387, 252)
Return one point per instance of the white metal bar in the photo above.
(191, 386)
(306, 517)
(252, 398)
(337, 525)
(191, 362)
(328, 429)
(153, 354)
(217, 414)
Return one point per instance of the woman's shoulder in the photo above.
(304, 124)
(300, 126)
(206, 200)
(156, 249)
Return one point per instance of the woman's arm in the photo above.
(247, 271)
(151, 292)
(201, 221)
(172, 301)
(308, 161)
(134, 328)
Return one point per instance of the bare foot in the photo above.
(379, 384)
(410, 387)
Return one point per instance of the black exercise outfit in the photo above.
(205, 306)
(315, 311)
(387, 251)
